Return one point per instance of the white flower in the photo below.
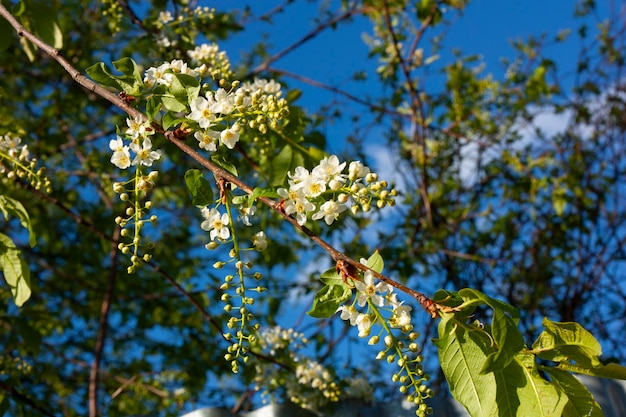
(329, 168)
(230, 136)
(216, 223)
(364, 324)
(246, 213)
(224, 103)
(348, 313)
(330, 210)
(357, 170)
(145, 155)
(137, 128)
(401, 316)
(367, 290)
(208, 140)
(259, 241)
(157, 75)
(165, 17)
(121, 155)
(202, 111)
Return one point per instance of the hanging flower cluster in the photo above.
(16, 162)
(308, 383)
(323, 192)
(377, 303)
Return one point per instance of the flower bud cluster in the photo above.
(324, 192)
(237, 303)
(222, 115)
(376, 302)
(215, 61)
(16, 162)
(301, 380)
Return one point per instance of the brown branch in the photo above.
(218, 172)
(103, 324)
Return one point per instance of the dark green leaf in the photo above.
(201, 191)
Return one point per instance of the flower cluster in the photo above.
(376, 302)
(307, 383)
(215, 61)
(220, 115)
(164, 73)
(16, 162)
(323, 192)
(134, 148)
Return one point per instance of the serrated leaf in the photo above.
(16, 272)
(581, 402)
(567, 341)
(327, 301)
(200, 188)
(12, 207)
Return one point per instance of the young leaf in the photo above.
(185, 88)
(328, 299)
(223, 163)
(375, 262)
(201, 191)
(129, 68)
(564, 342)
(16, 272)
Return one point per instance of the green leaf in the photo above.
(201, 191)
(331, 277)
(471, 296)
(223, 163)
(9, 206)
(170, 119)
(462, 351)
(375, 262)
(153, 107)
(537, 396)
(6, 35)
(581, 402)
(611, 370)
(129, 68)
(328, 299)
(16, 272)
(509, 341)
(184, 88)
(101, 74)
(171, 103)
(281, 165)
(45, 24)
(567, 341)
